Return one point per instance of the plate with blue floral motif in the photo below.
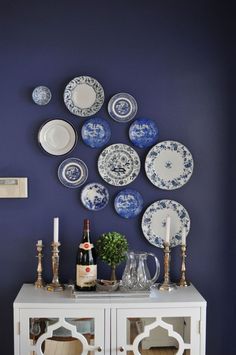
(96, 132)
(72, 172)
(94, 196)
(119, 164)
(122, 107)
(143, 132)
(128, 203)
(154, 222)
(169, 165)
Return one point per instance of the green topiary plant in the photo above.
(111, 248)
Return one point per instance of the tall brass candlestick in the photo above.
(39, 283)
(167, 285)
(55, 284)
(183, 282)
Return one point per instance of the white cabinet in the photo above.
(55, 323)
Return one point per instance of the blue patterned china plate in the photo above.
(128, 203)
(41, 95)
(94, 196)
(143, 132)
(169, 165)
(122, 107)
(84, 96)
(96, 132)
(119, 164)
(154, 222)
(72, 172)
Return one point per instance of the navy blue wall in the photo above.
(172, 57)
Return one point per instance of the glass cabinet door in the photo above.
(47, 332)
(158, 332)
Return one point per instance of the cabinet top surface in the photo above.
(31, 297)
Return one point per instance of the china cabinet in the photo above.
(57, 323)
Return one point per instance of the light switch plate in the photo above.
(13, 187)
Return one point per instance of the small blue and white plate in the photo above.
(72, 172)
(94, 196)
(122, 107)
(41, 95)
(96, 132)
(128, 203)
(143, 132)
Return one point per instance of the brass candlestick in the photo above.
(167, 285)
(182, 282)
(55, 284)
(39, 283)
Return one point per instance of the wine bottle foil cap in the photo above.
(86, 224)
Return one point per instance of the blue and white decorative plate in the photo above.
(94, 196)
(122, 107)
(128, 203)
(41, 95)
(72, 172)
(84, 96)
(119, 164)
(154, 222)
(96, 132)
(169, 165)
(143, 132)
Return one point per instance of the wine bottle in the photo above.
(86, 267)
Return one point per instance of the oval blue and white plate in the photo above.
(94, 196)
(169, 165)
(143, 132)
(41, 95)
(128, 203)
(154, 222)
(122, 107)
(119, 164)
(72, 172)
(96, 132)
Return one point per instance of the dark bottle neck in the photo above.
(86, 230)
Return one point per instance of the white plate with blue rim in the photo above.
(84, 96)
(94, 196)
(122, 107)
(169, 165)
(72, 172)
(57, 137)
(128, 203)
(143, 132)
(96, 132)
(154, 222)
(119, 164)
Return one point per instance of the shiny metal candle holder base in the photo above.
(183, 282)
(167, 285)
(39, 283)
(55, 285)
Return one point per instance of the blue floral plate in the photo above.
(96, 132)
(41, 95)
(122, 107)
(72, 172)
(128, 203)
(143, 132)
(94, 196)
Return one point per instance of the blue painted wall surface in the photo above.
(172, 57)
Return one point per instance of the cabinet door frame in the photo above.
(123, 314)
(99, 326)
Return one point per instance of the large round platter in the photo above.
(94, 196)
(119, 164)
(84, 96)
(72, 172)
(96, 132)
(57, 137)
(122, 107)
(143, 132)
(41, 95)
(128, 203)
(169, 165)
(154, 222)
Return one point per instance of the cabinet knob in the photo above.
(121, 349)
(99, 349)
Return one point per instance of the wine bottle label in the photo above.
(86, 246)
(86, 275)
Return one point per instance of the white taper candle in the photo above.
(167, 229)
(184, 236)
(56, 229)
